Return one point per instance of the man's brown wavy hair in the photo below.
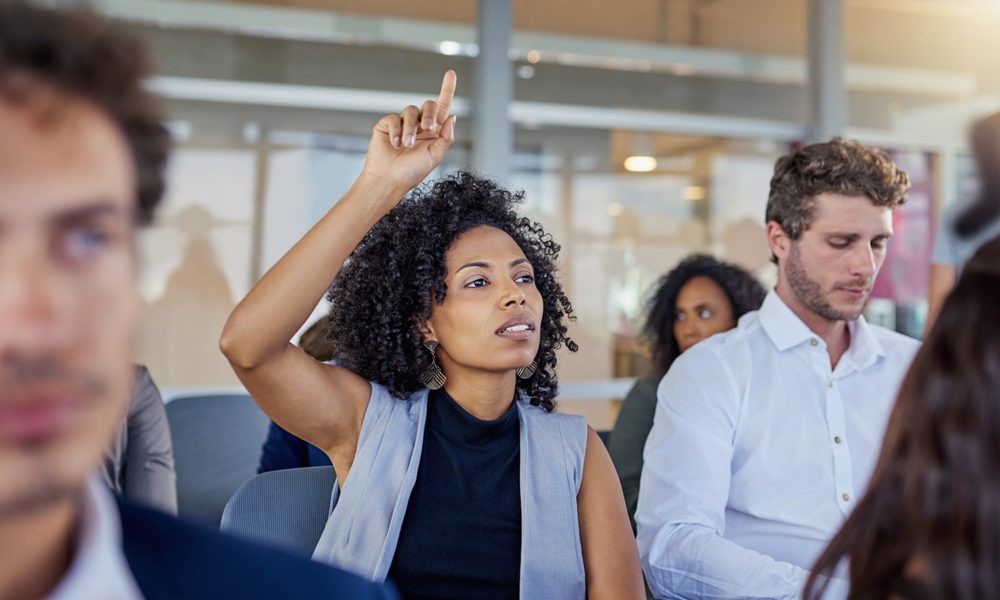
(79, 55)
(840, 167)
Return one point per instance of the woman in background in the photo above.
(929, 525)
(700, 297)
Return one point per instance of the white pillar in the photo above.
(493, 140)
(827, 93)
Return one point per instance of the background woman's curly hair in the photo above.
(391, 282)
(745, 293)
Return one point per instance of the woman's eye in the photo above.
(527, 278)
(477, 283)
(705, 314)
(680, 317)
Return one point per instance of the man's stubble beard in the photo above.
(39, 488)
(809, 292)
(40, 494)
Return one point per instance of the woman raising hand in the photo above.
(456, 478)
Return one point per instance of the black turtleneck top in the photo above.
(461, 535)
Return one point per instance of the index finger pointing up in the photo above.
(446, 95)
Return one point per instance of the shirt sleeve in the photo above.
(685, 488)
(149, 475)
(635, 418)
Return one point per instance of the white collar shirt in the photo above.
(98, 568)
(758, 451)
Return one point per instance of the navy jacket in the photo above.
(173, 559)
(283, 450)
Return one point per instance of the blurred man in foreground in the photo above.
(81, 166)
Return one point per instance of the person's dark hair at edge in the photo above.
(839, 166)
(391, 282)
(984, 137)
(929, 524)
(78, 54)
(315, 340)
(745, 293)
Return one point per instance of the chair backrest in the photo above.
(217, 441)
(286, 508)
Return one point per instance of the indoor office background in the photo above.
(271, 103)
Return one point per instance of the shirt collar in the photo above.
(787, 330)
(782, 325)
(98, 569)
(865, 348)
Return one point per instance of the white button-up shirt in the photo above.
(98, 568)
(757, 453)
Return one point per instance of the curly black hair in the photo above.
(745, 293)
(391, 282)
(84, 56)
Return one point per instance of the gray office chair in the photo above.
(286, 508)
(217, 441)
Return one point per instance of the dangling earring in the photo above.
(433, 377)
(527, 372)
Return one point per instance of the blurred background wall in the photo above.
(271, 103)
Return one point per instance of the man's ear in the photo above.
(778, 241)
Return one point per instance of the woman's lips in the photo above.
(518, 328)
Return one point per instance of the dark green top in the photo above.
(628, 438)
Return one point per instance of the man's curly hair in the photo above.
(394, 278)
(83, 56)
(839, 166)
(745, 293)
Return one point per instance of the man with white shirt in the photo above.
(81, 164)
(765, 436)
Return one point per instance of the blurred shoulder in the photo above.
(172, 558)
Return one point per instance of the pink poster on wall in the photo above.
(904, 276)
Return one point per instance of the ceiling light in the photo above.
(694, 192)
(640, 164)
(449, 48)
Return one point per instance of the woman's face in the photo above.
(702, 310)
(490, 319)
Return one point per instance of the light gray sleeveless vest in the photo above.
(368, 509)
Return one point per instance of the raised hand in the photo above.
(406, 147)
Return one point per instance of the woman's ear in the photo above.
(427, 332)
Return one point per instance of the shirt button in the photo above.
(845, 497)
(836, 439)
(814, 342)
(829, 383)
